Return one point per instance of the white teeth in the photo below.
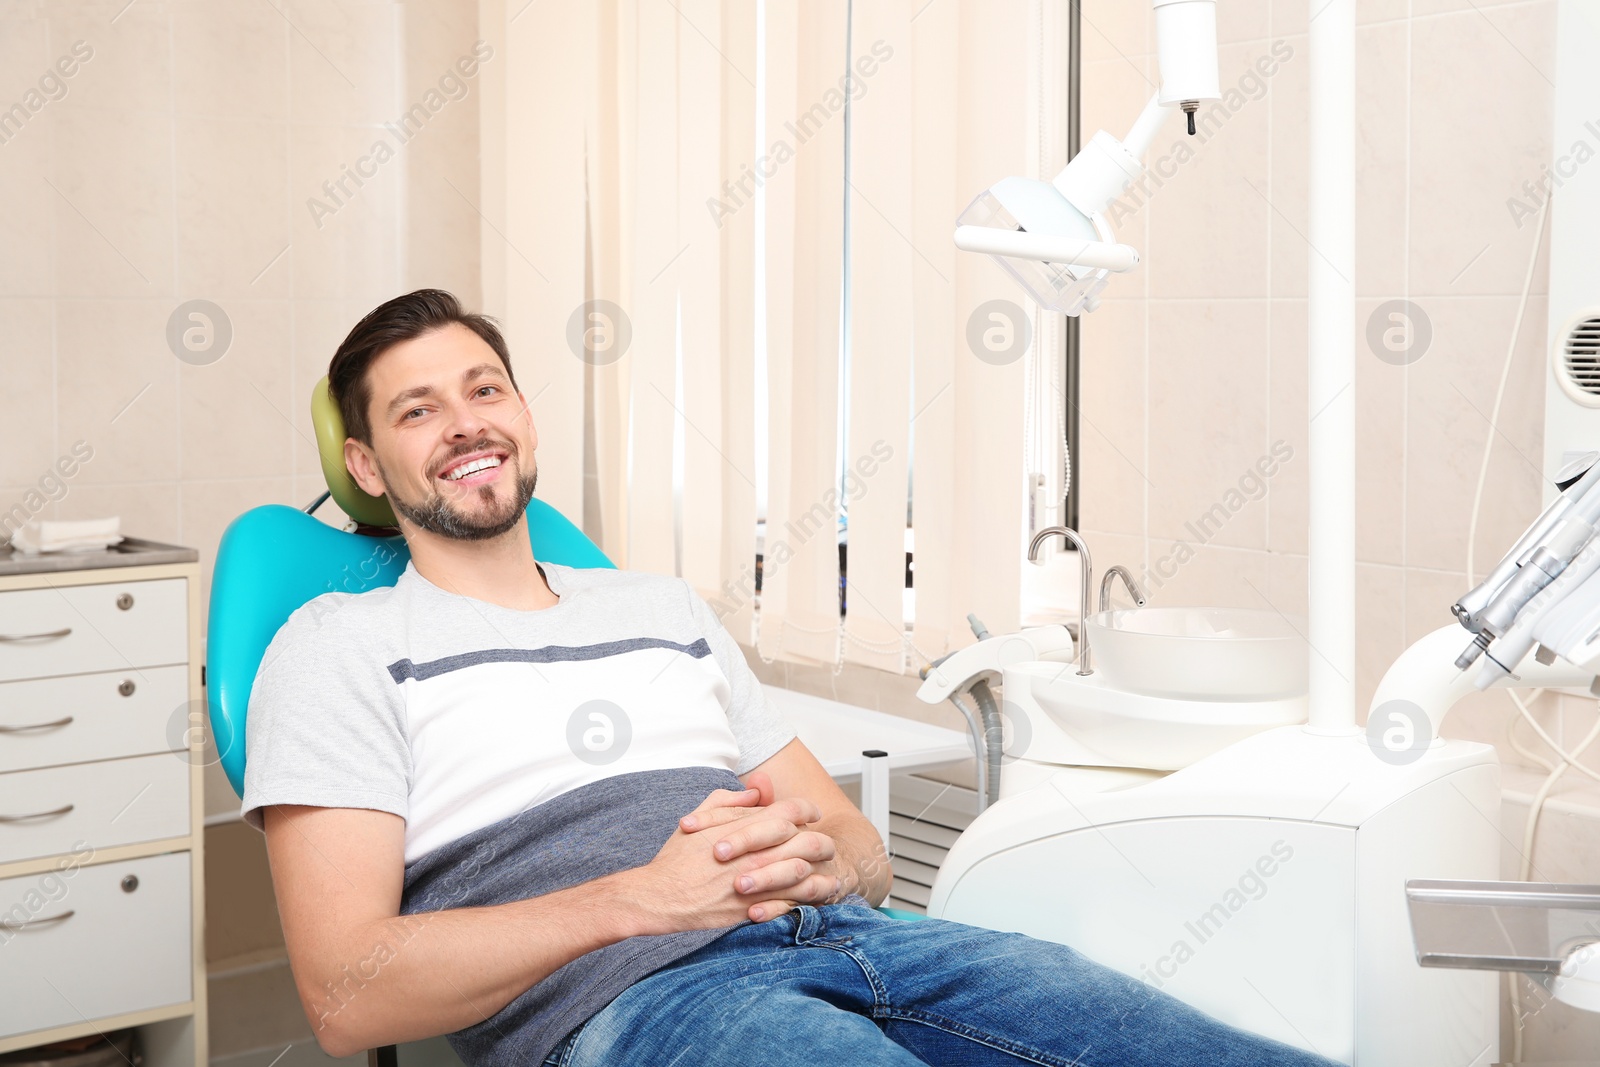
(472, 468)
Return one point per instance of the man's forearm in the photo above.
(860, 859)
(415, 976)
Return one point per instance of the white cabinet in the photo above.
(101, 813)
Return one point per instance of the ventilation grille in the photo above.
(925, 818)
(1580, 361)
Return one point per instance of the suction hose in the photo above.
(993, 736)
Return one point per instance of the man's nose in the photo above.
(464, 422)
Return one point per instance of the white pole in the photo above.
(1330, 309)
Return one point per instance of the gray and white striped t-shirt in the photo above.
(528, 751)
(455, 713)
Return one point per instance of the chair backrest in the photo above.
(274, 558)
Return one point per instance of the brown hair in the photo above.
(388, 324)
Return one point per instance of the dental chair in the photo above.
(272, 559)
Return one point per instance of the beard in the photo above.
(440, 516)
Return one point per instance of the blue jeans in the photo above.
(844, 984)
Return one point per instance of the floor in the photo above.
(256, 1021)
(434, 1052)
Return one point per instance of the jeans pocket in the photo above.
(562, 1053)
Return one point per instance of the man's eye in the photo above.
(481, 388)
(412, 412)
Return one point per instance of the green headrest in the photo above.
(366, 509)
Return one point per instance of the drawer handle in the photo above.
(23, 924)
(62, 810)
(35, 726)
(63, 632)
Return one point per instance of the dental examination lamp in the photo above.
(1544, 595)
(1052, 237)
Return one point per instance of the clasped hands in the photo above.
(761, 849)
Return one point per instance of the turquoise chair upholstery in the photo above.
(274, 558)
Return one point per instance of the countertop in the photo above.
(129, 552)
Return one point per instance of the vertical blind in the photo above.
(622, 194)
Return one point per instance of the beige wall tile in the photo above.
(344, 61)
(131, 69)
(117, 388)
(25, 55)
(1450, 400)
(230, 59)
(1564, 715)
(1380, 452)
(1208, 420)
(1290, 16)
(349, 246)
(1384, 10)
(1288, 155)
(1463, 239)
(1420, 8)
(229, 244)
(1287, 580)
(1114, 92)
(1380, 627)
(1209, 224)
(235, 412)
(1111, 466)
(147, 510)
(1289, 419)
(26, 234)
(1382, 192)
(20, 504)
(1243, 20)
(1189, 575)
(442, 234)
(1114, 29)
(110, 193)
(28, 402)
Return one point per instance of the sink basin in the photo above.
(1233, 654)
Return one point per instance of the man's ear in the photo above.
(359, 462)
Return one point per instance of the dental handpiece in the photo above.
(1508, 650)
(1576, 480)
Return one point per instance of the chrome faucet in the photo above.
(1087, 579)
(1119, 571)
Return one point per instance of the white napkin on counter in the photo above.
(80, 535)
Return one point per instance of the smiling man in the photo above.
(551, 813)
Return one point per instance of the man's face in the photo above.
(452, 444)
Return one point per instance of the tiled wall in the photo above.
(182, 160)
(176, 163)
(1195, 367)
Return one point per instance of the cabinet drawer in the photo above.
(112, 802)
(81, 717)
(83, 628)
(102, 949)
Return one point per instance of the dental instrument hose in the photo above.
(1568, 759)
